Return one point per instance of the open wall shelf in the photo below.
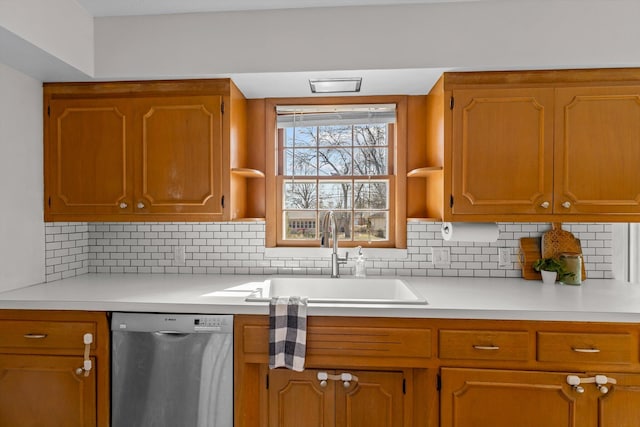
(424, 172)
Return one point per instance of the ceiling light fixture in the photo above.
(350, 84)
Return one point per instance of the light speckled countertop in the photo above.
(460, 298)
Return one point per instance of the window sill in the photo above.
(369, 253)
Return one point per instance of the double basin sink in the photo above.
(322, 290)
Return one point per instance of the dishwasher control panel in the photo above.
(209, 323)
(173, 323)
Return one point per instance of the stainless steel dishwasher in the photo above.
(171, 370)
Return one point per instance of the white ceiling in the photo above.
(292, 84)
(158, 7)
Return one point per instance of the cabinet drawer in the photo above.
(484, 345)
(369, 342)
(585, 347)
(349, 341)
(45, 335)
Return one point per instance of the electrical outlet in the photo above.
(441, 257)
(504, 257)
(179, 256)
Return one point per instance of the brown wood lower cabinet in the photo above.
(502, 398)
(45, 390)
(620, 406)
(42, 382)
(300, 399)
(492, 373)
(485, 397)
(389, 357)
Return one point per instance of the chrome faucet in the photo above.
(329, 222)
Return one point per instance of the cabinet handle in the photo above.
(323, 377)
(574, 381)
(602, 381)
(346, 379)
(585, 350)
(566, 205)
(140, 205)
(35, 336)
(487, 347)
(123, 205)
(545, 205)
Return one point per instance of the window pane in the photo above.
(335, 136)
(300, 195)
(335, 195)
(300, 136)
(371, 194)
(370, 161)
(334, 161)
(370, 226)
(370, 135)
(300, 225)
(335, 158)
(343, 224)
(300, 162)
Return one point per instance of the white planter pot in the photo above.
(549, 277)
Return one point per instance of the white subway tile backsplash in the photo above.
(238, 248)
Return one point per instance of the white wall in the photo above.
(22, 238)
(45, 33)
(475, 35)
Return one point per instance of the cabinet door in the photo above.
(375, 400)
(296, 399)
(45, 391)
(597, 150)
(87, 158)
(502, 151)
(180, 157)
(620, 407)
(484, 397)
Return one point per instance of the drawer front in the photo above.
(369, 342)
(45, 335)
(343, 341)
(586, 347)
(484, 345)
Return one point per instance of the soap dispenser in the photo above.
(361, 268)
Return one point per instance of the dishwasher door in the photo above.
(171, 370)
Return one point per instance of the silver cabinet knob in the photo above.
(545, 205)
(322, 377)
(566, 205)
(602, 381)
(123, 205)
(574, 381)
(140, 205)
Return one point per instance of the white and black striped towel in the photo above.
(287, 332)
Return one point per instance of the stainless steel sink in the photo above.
(339, 291)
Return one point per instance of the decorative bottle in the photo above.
(360, 267)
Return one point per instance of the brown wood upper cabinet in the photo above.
(597, 150)
(545, 145)
(143, 151)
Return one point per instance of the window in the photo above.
(340, 158)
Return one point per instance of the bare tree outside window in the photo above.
(340, 167)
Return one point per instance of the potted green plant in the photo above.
(551, 269)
